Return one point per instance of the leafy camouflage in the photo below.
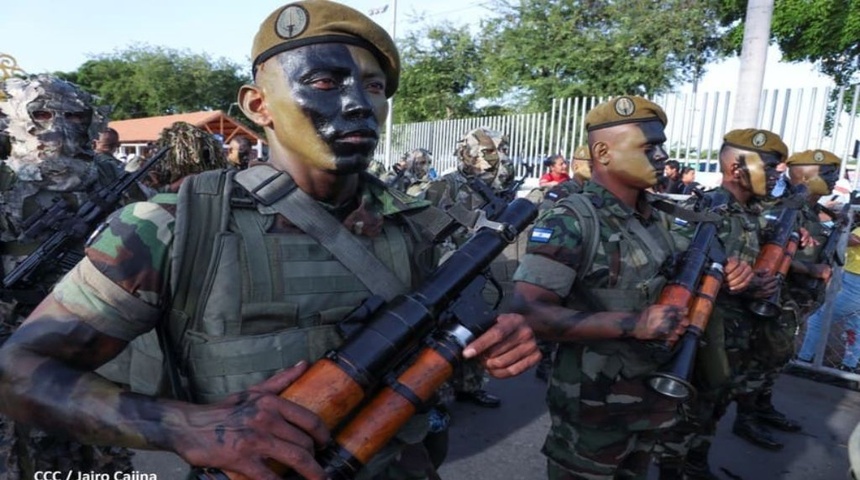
(29, 183)
(413, 176)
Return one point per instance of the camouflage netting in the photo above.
(192, 150)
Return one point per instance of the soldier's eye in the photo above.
(42, 115)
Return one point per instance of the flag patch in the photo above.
(541, 235)
(681, 222)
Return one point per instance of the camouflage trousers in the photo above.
(771, 346)
(696, 431)
(470, 376)
(600, 454)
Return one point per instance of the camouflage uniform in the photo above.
(40, 146)
(605, 419)
(453, 189)
(414, 178)
(304, 332)
(727, 336)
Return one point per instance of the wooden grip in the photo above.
(382, 418)
(324, 389)
(703, 304)
(675, 295)
(790, 250)
(769, 259)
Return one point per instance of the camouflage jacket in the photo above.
(20, 200)
(134, 253)
(601, 384)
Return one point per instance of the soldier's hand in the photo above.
(807, 240)
(737, 275)
(763, 285)
(661, 322)
(241, 432)
(507, 349)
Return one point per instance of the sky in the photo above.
(50, 35)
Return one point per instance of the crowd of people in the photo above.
(193, 317)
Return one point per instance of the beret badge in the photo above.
(292, 22)
(624, 107)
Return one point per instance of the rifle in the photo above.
(67, 226)
(444, 314)
(829, 253)
(776, 254)
(695, 287)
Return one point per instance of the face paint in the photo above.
(638, 156)
(582, 169)
(830, 175)
(326, 102)
(760, 172)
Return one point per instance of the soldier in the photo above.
(51, 125)
(748, 162)
(819, 170)
(192, 150)
(414, 177)
(773, 341)
(589, 281)
(244, 297)
(482, 153)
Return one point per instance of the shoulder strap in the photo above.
(589, 223)
(277, 190)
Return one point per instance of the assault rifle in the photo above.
(695, 287)
(436, 320)
(68, 226)
(777, 253)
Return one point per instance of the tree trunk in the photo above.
(753, 60)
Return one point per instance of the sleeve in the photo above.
(117, 288)
(553, 252)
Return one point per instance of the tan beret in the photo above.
(622, 110)
(814, 157)
(757, 140)
(321, 21)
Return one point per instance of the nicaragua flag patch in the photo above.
(540, 235)
(681, 222)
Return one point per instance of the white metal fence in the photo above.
(697, 123)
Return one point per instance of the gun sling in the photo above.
(278, 191)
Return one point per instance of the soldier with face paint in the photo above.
(483, 155)
(592, 288)
(50, 125)
(323, 72)
(748, 162)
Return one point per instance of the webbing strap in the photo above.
(276, 189)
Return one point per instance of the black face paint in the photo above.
(334, 92)
(830, 175)
(655, 135)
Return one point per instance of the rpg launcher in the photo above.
(695, 287)
(64, 226)
(829, 254)
(777, 253)
(437, 320)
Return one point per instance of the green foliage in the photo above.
(144, 81)
(562, 48)
(825, 32)
(440, 65)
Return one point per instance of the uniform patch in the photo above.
(818, 156)
(759, 139)
(541, 235)
(625, 107)
(681, 222)
(292, 22)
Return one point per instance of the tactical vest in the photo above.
(247, 303)
(607, 371)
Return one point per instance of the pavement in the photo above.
(504, 443)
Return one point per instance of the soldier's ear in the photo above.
(600, 152)
(252, 101)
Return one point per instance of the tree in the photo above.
(824, 32)
(560, 48)
(145, 81)
(440, 65)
